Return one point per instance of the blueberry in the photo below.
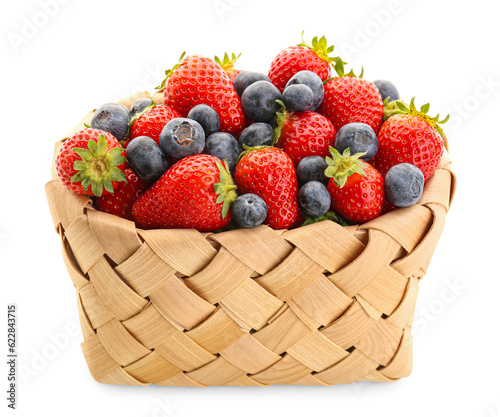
(146, 158)
(182, 137)
(139, 106)
(358, 137)
(259, 101)
(387, 89)
(246, 78)
(312, 168)
(257, 134)
(314, 199)
(206, 117)
(223, 146)
(298, 97)
(249, 210)
(112, 118)
(404, 184)
(313, 81)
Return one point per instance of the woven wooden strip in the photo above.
(120, 377)
(99, 361)
(220, 277)
(181, 306)
(401, 364)
(117, 297)
(172, 245)
(94, 307)
(217, 332)
(145, 271)
(180, 380)
(149, 327)
(217, 372)
(337, 249)
(87, 328)
(381, 342)
(286, 371)
(76, 275)
(403, 315)
(267, 249)
(117, 236)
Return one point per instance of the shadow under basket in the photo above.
(317, 305)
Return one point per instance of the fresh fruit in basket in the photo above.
(269, 173)
(404, 185)
(359, 138)
(227, 64)
(259, 101)
(146, 159)
(310, 80)
(249, 210)
(247, 78)
(195, 193)
(112, 118)
(199, 80)
(152, 121)
(91, 162)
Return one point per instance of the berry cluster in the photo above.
(232, 148)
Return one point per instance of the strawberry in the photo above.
(302, 134)
(410, 136)
(120, 202)
(351, 99)
(199, 80)
(195, 193)
(356, 188)
(152, 121)
(91, 158)
(227, 64)
(301, 57)
(269, 173)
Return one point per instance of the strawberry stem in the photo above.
(225, 189)
(343, 166)
(403, 108)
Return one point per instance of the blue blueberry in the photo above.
(206, 117)
(182, 137)
(404, 185)
(298, 97)
(312, 168)
(257, 134)
(112, 118)
(387, 89)
(259, 101)
(314, 199)
(249, 210)
(139, 106)
(146, 158)
(246, 78)
(358, 137)
(313, 81)
(223, 146)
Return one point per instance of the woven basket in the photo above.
(318, 305)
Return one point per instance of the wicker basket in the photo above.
(318, 305)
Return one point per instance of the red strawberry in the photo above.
(120, 202)
(304, 134)
(299, 58)
(199, 80)
(410, 136)
(227, 65)
(195, 193)
(152, 121)
(351, 99)
(356, 188)
(91, 158)
(269, 173)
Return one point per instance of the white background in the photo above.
(57, 67)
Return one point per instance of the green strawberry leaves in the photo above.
(227, 63)
(98, 166)
(321, 48)
(169, 71)
(225, 188)
(340, 167)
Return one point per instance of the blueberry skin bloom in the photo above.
(246, 78)
(298, 97)
(249, 210)
(112, 118)
(314, 199)
(182, 137)
(223, 146)
(312, 168)
(387, 89)
(259, 101)
(313, 81)
(358, 137)
(139, 106)
(146, 158)
(206, 117)
(257, 134)
(404, 185)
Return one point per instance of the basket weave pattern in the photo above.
(317, 305)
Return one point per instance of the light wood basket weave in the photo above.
(318, 305)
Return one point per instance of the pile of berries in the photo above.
(231, 148)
